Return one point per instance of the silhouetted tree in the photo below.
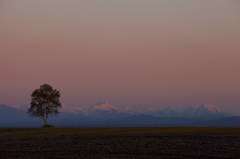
(45, 102)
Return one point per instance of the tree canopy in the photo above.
(45, 102)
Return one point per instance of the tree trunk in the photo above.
(45, 121)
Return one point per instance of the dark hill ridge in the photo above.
(148, 120)
(7, 112)
(105, 114)
(225, 122)
(14, 117)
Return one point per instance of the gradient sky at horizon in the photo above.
(137, 53)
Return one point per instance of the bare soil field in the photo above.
(146, 142)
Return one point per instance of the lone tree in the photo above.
(45, 102)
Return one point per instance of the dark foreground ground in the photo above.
(177, 145)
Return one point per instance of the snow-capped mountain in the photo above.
(203, 110)
(97, 109)
(164, 112)
(128, 109)
(106, 108)
(72, 110)
(208, 109)
(22, 107)
(100, 107)
(192, 111)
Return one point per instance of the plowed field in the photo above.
(161, 142)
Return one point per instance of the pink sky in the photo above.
(137, 53)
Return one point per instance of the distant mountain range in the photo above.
(105, 114)
(96, 109)
(204, 110)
